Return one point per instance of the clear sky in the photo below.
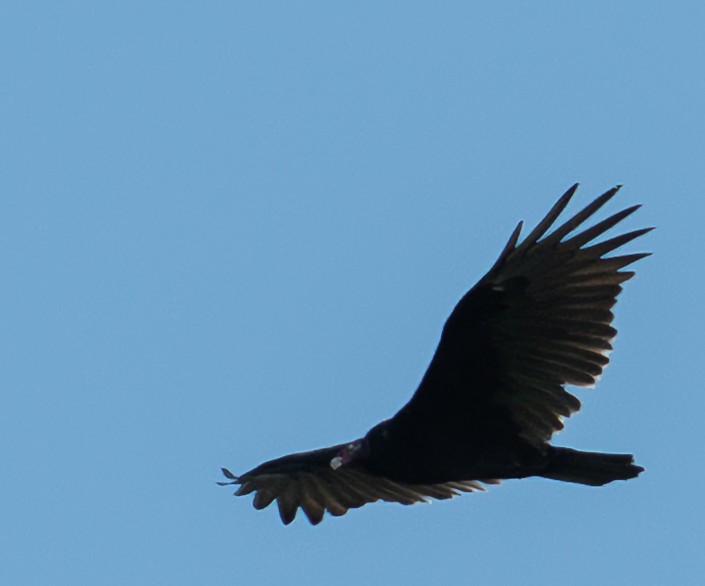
(232, 230)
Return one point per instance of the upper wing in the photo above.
(538, 320)
(306, 480)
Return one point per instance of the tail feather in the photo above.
(591, 468)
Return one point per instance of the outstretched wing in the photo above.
(307, 481)
(538, 320)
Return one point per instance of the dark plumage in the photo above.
(493, 394)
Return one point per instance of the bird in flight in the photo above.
(494, 393)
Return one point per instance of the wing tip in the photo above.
(570, 192)
(232, 478)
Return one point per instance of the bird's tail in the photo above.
(591, 468)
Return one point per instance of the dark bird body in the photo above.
(493, 394)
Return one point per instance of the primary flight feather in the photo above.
(494, 393)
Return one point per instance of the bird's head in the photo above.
(349, 453)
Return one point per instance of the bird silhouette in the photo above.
(494, 393)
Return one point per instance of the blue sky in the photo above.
(233, 230)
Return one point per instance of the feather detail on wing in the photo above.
(553, 327)
(320, 489)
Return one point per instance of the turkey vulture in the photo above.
(494, 392)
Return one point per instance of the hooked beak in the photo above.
(345, 455)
